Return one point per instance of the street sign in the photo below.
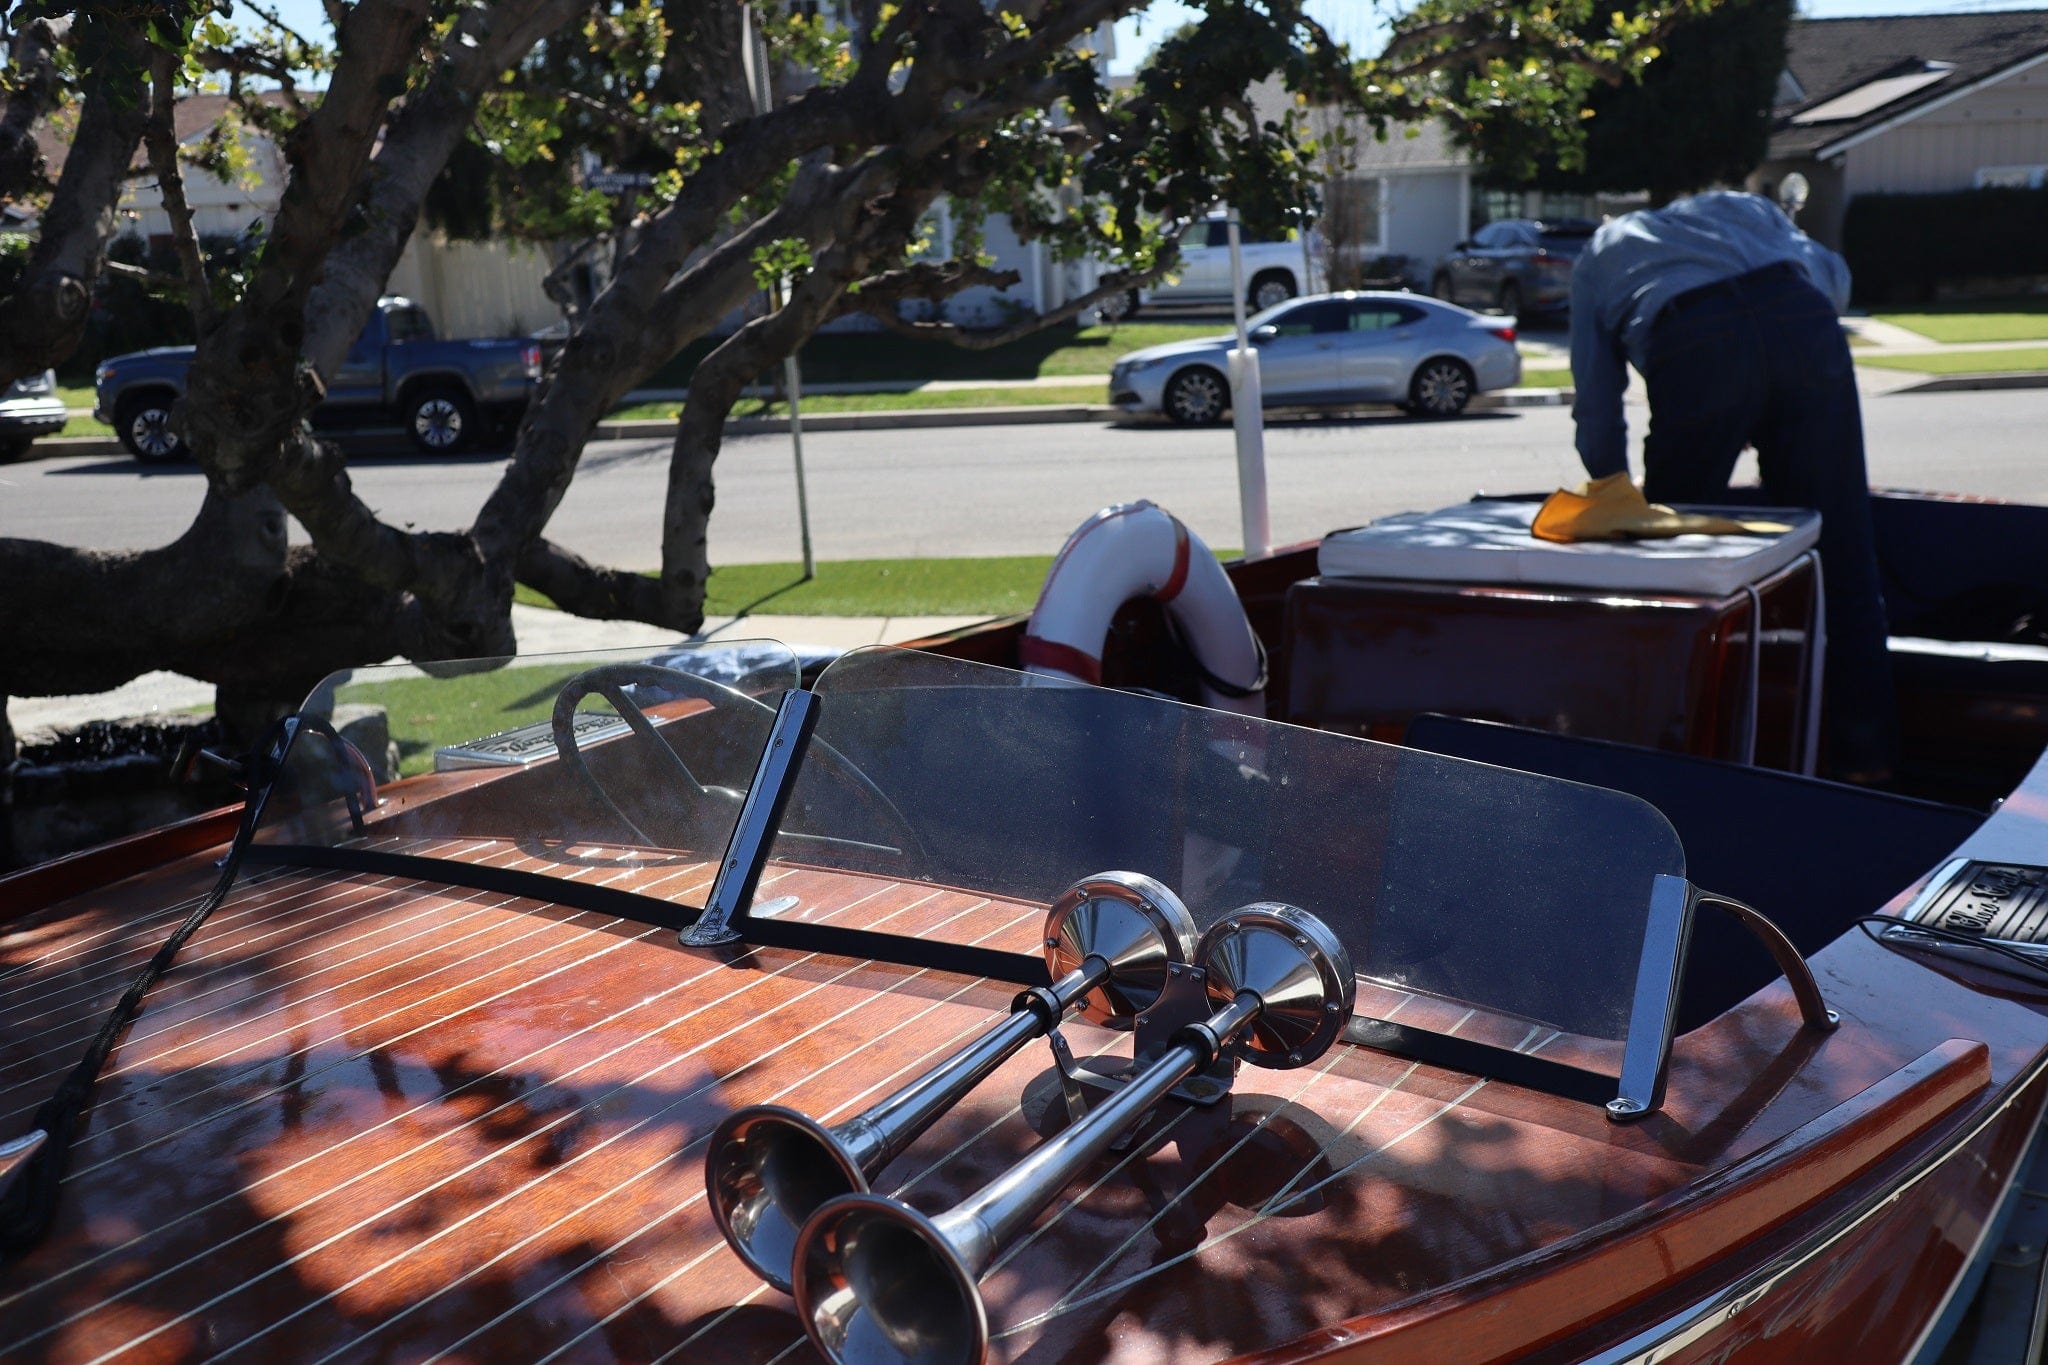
(617, 182)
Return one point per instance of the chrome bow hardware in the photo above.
(1109, 940)
(879, 1283)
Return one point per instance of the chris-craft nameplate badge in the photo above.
(526, 744)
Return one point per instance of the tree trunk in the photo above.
(32, 91)
(88, 620)
(42, 322)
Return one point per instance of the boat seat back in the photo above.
(1810, 854)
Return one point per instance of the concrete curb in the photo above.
(899, 420)
(1996, 379)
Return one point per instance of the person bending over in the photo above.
(1729, 312)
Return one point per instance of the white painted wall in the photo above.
(477, 289)
(2002, 125)
(1425, 213)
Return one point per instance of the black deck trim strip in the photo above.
(507, 881)
(1483, 1059)
(768, 933)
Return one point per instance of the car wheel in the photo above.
(1197, 396)
(1441, 388)
(1270, 290)
(1118, 307)
(1511, 299)
(143, 426)
(1440, 287)
(440, 421)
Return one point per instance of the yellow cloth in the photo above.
(1613, 508)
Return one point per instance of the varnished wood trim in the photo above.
(1570, 1285)
(34, 888)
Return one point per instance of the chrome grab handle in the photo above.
(1109, 940)
(878, 1282)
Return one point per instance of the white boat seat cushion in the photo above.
(1488, 541)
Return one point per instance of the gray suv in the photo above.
(1522, 266)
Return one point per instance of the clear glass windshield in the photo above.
(535, 761)
(1471, 898)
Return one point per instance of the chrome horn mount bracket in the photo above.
(1285, 955)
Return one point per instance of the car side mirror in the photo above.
(1262, 335)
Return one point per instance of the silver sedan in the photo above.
(1428, 356)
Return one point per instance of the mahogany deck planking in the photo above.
(342, 1161)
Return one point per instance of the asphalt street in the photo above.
(1020, 490)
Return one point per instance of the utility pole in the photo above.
(1247, 415)
(754, 53)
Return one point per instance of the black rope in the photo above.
(2015, 960)
(29, 1202)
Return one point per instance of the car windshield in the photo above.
(1505, 908)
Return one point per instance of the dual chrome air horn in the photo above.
(877, 1281)
(1109, 940)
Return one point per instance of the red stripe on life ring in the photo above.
(1178, 579)
(1037, 653)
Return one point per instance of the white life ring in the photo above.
(1137, 549)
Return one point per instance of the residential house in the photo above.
(1909, 103)
(472, 289)
(1418, 194)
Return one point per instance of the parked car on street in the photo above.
(1522, 266)
(1426, 356)
(1272, 273)
(29, 408)
(444, 393)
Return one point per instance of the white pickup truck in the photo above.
(1272, 272)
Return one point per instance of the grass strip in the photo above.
(864, 357)
(1547, 379)
(873, 587)
(426, 714)
(2024, 319)
(1964, 362)
(908, 400)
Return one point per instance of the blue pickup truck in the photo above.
(446, 394)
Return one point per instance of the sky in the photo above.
(1357, 22)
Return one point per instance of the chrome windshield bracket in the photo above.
(1660, 976)
(1813, 1008)
(746, 853)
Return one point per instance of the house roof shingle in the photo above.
(191, 116)
(1830, 57)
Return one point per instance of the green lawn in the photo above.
(79, 397)
(874, 587)
(1991, 320)
(427, 713)
(1964, 362)
(905, 400)
(1547, 379)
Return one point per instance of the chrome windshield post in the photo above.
(1652, 1018)
(746, 853)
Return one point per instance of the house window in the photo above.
(2011, 177)
(1351, 213)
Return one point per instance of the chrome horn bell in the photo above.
(878, 1283)
(1109, 940)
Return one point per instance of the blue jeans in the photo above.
(1760, 360)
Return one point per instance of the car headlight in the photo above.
(1133, 366)
(103, 374)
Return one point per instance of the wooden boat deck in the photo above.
(366, 1118)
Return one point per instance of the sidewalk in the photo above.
(540, 631)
